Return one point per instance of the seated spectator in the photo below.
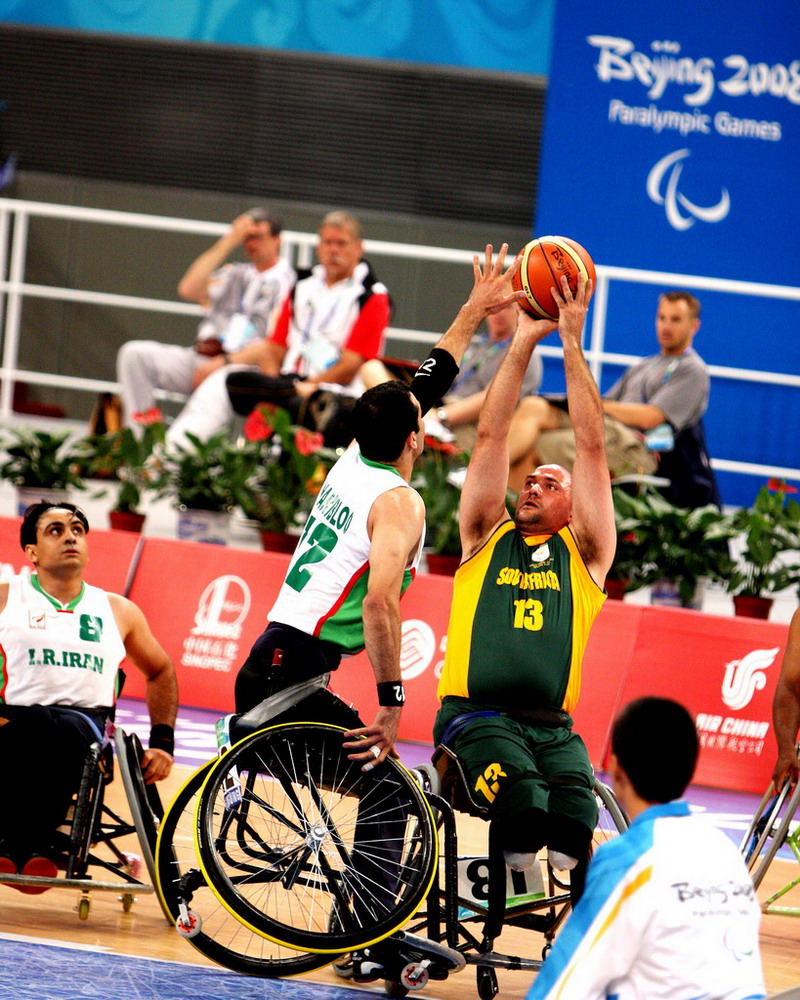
(242, 299)
(63, 642)
(652, 415)
(457, 416)
(332, 323)
(669, 909)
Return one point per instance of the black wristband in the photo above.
(162, 737)
(434, 377)
(391, 694)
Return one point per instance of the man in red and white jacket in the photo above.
(331, 323)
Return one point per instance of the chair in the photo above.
(772, 827)
(302, 857)
(91, 830)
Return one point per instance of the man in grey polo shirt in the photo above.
(652, 415)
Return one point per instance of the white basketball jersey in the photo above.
(58, 655)
(327, 578)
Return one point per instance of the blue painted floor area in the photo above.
(57, 972)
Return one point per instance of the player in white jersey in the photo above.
(362, 543)
(669, 910)
(61, 644)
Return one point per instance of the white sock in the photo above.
(519, 861)
(561, 862)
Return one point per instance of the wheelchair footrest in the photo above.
(495, 960)
(76, 883)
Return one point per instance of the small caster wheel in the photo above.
(83, 907)
(414, 976)
(546, 950)
(487, 983)
(127, 900)
(343, 966)
(188, 925)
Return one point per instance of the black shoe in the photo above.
(367, 966)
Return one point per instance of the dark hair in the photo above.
(680, 296)
(655, 742)
(259, 214)
(30, 519)
(383, 417)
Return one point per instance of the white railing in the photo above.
(299, 248)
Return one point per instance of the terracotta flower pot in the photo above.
(277, 542)
(615, 588)
(444, 565)
(745, 606)
(126, 520)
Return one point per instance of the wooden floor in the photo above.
(144, 932)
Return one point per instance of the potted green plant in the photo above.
(292, 466)
(770, 532)
(207, 479)
(132, 459)
(658, 541)
(432, 477)
(42, 465)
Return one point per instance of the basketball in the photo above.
(544, 262)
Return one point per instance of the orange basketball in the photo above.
(544, 262)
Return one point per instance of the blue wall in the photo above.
(506, 35)
(671, 144)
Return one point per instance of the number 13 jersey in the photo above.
(519, 622)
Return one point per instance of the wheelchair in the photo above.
(283, 856)
(772, 827)
(88, 838)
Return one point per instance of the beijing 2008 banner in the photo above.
(671, 144)
(672, 136)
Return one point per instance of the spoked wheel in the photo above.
(769, 829)
(196, 911)
(308, 849)
(612, 820)
(143, 800)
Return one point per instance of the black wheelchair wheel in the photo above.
(192, 906)
(306, 848)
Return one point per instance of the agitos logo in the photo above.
(662, 188)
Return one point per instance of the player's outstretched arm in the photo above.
(786, 708)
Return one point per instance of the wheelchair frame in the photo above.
(94, 825)
(190, 872)
(768, 831)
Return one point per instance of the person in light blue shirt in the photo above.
(669, 910)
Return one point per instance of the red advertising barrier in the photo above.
(724, 670)
(111, 555)
(206, 605)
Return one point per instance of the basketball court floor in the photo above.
(47, 953)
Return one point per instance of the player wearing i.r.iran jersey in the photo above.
(54, 655)
(328, 577)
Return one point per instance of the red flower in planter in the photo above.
(151, 416)
(307, 442)
(445, 447)
(780, 486)
(258, 426)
